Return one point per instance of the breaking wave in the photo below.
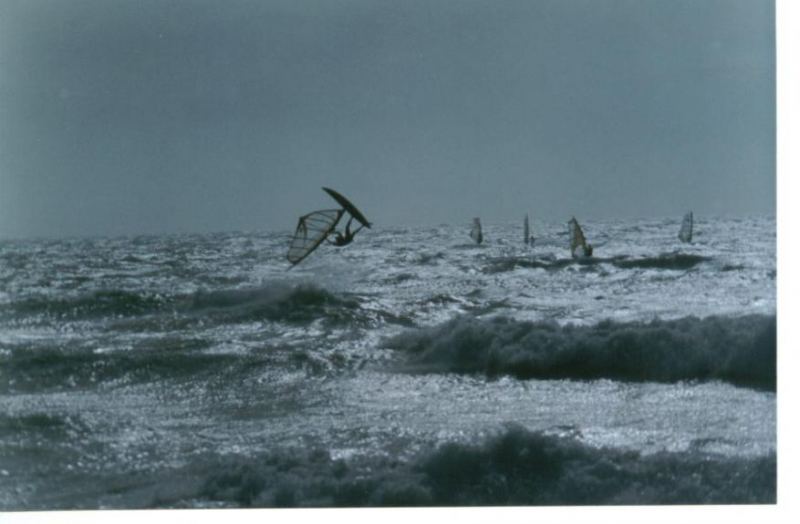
(278, 302)
(516, 467)
(740, 350)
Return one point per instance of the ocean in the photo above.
(410, 368)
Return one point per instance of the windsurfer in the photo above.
(344, 239)
(320, 226)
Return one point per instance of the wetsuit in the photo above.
(343, 240)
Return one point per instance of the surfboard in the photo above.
(348, 206)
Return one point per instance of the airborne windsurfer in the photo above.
(319, 226)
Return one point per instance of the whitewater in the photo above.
(412, 367)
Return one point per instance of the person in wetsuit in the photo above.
(344, 239)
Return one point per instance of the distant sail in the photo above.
(577, 242)
(687, 227)
(476, 233)
(311, 230)
(527, 231)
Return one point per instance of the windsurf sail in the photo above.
(311, 230)
(476, 233)
(577, 242)
(687, 226)
(527, 231)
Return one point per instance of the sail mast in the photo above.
(527, 230)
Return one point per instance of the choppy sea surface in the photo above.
(411, 367)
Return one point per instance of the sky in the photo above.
(143, 116)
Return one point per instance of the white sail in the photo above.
(311, 230)
(476, 233)
(687, 226)
(527, 230)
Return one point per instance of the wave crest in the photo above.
(740, 350)
(515, 467)
(277, 302)
(274, 301)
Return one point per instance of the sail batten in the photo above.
(311, 230)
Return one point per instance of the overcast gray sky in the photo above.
(147, 116)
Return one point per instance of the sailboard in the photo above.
(313, 228)
(476, 233)
(685, 234)
(577, 240)
(527, 231)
